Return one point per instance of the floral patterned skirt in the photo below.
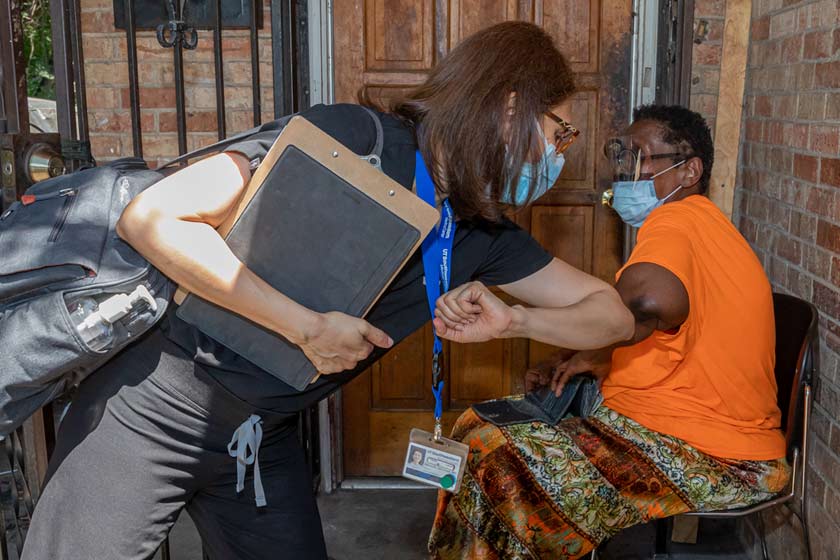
(538, 491)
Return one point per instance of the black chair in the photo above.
(797, 346)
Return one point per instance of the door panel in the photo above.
(469, 16)
(388, 45)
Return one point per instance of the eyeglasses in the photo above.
(627, 161)
(564, 137)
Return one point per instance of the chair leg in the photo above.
(661, 538)
(763, 537)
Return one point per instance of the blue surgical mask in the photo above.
(544, 173)
(633, 201)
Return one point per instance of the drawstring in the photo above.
(248, 435)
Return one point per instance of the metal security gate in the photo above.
(27, 155)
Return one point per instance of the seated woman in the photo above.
(689, 420)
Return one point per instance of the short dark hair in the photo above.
(459, 113)
(684, 129)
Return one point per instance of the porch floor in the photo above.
(388, 524)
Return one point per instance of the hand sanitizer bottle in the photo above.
(95, 321)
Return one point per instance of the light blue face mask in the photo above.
(544, 173)
(633, 201)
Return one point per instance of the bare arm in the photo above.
(658, 301)
(572, 309)
(172, 224)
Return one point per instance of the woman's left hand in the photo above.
(471, 313)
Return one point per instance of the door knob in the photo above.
(606, 198)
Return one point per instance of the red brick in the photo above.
(805, 167)
(792, 49)
(754, 130)
(816, 261)
(763, 106)
(785, 106)
(833, 106)
(811, 106)
(825, 533)
(828, 236)
(835, 273)
(797, 135)
(96, 22)
(804, 75)
(770, 53)
(821, 201)
(827, 300)
(798, 283)
(818, 44)
(160, 145)
(836, 43)
(106, 73)
(99, 47)
(715, 30)
(103, 97)
(828, 74)
(825, 139)
(823, 13)
(748, 229)
(761, 29)
(197, 141)
(706, 8)
(97, 5)
(201, 121)
(759, 208)
(803, 226)
(707, 54)
(777, 271)
(167, 121)
(787, 248)
(830, 167)
(783, 23)
(118, 121)
(106, 146)
(781, 160)
(163, 98)
(774, 132)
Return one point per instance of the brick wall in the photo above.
(705, 57)
(106, 70)
(789, 210)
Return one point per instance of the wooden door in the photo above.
(388, 45)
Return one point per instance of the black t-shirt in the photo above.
(492, 253)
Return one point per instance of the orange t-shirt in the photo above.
(711, 383)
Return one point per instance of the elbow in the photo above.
(623, 324)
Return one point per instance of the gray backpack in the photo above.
(72, 293)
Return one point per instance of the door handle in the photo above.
(606, 198)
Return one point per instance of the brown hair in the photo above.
(460, 113)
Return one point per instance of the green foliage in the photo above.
(37, 48)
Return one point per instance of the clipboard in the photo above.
(329, 231)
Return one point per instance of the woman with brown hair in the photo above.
(148, 436)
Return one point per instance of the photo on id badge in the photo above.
(432, 466)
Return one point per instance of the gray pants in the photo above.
(139, 444)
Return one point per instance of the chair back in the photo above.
(796, 361)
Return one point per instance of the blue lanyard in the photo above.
(437, 266)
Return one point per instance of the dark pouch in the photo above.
(580, 397)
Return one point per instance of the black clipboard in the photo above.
(323, 227)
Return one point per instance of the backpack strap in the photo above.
(374, 158)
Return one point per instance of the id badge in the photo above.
(439, 464)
